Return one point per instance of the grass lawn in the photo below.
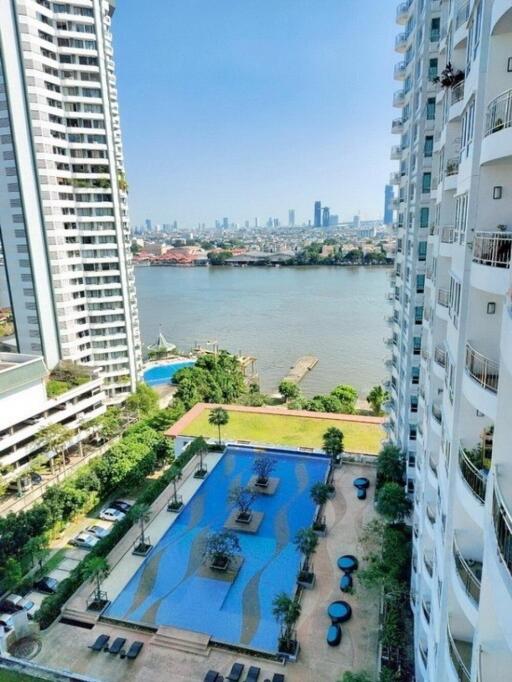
(11, 676)
(289, 430)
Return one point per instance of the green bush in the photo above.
(54, 388)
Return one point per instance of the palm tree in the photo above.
(333, 444)
(306, 541)
(286, 611)
(218, 417)
(96, 569)
(142, 514)
(377, 397)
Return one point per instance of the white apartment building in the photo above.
(63, 193)
(26, 409)
(451, 384)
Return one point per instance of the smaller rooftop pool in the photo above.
(163, 374)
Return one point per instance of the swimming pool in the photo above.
(170, 587)
(163, 374)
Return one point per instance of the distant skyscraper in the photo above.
(225, 223)
(326, 214)
(388, 205)
(276, 222)
(355, 222)
(334, 220)
(291, 217)
(317, 221)
(148, 224)
(255, 222)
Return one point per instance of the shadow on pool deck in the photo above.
(65, 646)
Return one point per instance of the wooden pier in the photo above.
(299, 370)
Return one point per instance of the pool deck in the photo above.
(66, 646)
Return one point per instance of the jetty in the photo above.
(300, 368)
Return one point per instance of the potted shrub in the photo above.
(175, 503)
(286, 611)
(221, 547)
(263, 467)
(242, 498)
(319, 494)
(333, 445)
(141, 514)
(96, 569)
(306, 541)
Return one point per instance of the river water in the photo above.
(277, 315)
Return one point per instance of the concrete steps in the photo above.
(182, 640)
(77, 616)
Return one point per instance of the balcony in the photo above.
(452, 167)
(431, 515)
(457, 94)
(447, 235)
(492, 249)
(482, 369)
(502, 521)
(497, 143)
(397, 126)
(394, 178)
(426, 608)
(399, 98)
(402, 12)
(396, 152)
(401, 42)
(469, 572)
(399, 71)
(475, 478)
(429, 564)
(462, 15)
(461, 652)
(443, 297)
(440, 356)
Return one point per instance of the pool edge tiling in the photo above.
(170, 589)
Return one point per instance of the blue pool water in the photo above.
(163, 374)
(171, 588)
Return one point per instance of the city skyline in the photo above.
(224, 119)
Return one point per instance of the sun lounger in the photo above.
(134, 650)
(253, 674)
(100, 643)
(211, 676)
(236, 672)
(117, 645)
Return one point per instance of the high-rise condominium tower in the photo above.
(63, 212)
(317, 214)
(451, 384)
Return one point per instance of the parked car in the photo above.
(85, 540)
(25, 483)
(6, 621)
(99, 531)
(113, 515)
(15, 602)
(121, 505)
(47, 585)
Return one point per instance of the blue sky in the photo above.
(245, 108)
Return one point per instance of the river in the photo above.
(277, 315)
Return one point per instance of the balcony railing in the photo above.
(440, 356)
(476, 479)
(499, 113)
(429, 565)
(396, 152)
(460, 654)
(401, 11)
(462, 15)
(397, 126)
(399, 70)
(431, 515)
(433, 466)
(425, 606)
(493, 249)
(447, 235)
(398, 98)
(437, 414)
(482, 369)
(470, 573)
(452, 167)
(443, 297)
(401, 41)
(502, 518)
(457, 93)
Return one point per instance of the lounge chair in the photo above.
(100, 643)
(118, 644)
(211, 676)
(278, 677)
(236, 672)
(134, 650)
(253, 674)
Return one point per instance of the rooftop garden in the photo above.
(288, 429)
(64, 377)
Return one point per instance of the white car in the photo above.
(111, 515)
(85, 540)
(99, 531)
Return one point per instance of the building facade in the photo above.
(63, 193)
(451, 382)
(388, 202)
(317, 216)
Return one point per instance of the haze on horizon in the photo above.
(245, 109)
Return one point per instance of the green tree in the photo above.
(390, 464)
(289, 390)
(306, 541)
(36, 548)
(53, 439)
(286, 611)
(347, 395)
(333, 444)
(141, 513)
(356, 677)
(12, 574)
(320, 493)
(221, 546)
(96, 569)
(143, 402)
(242, 497)
(218, 417)
(392, 502)
(108, 424)
(377, 397)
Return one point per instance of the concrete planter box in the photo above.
(306, 580)
(142, 550)
(290, 656)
